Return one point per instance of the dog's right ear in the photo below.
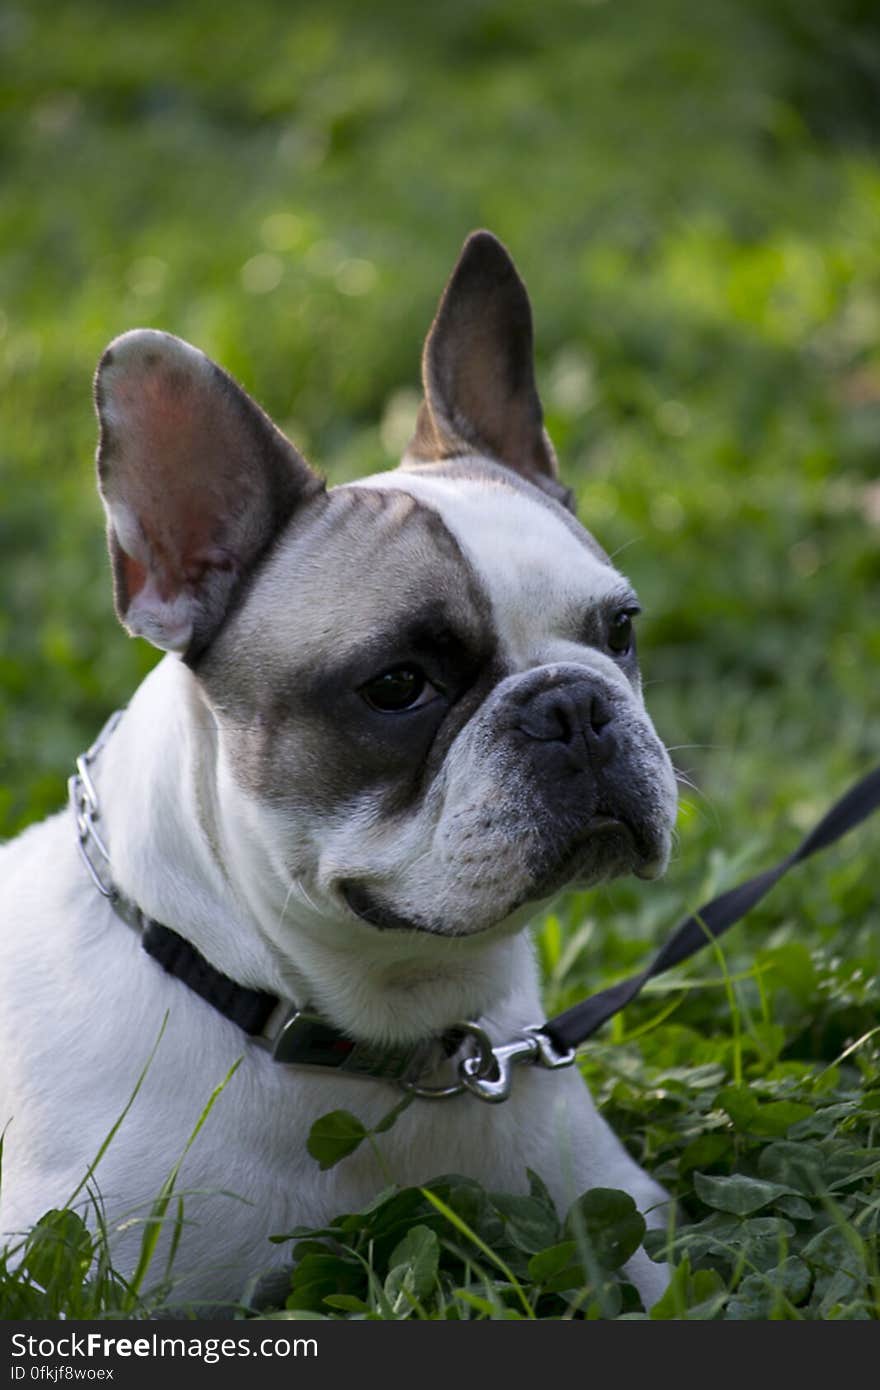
(196, 482)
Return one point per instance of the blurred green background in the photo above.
(692, 193)
(691, 190)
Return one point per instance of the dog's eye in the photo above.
(620, 631)
(401, 688)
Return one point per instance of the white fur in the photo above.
(530, 563)
(82, 1005)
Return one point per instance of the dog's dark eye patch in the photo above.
(594, 627)
(296, 726)
(451, 661)
(394, 756)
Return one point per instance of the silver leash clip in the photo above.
(534, 1048)
(487, 1071)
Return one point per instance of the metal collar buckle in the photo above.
(307, 1040)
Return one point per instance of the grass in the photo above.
(692, 195)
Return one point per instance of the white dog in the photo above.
(394, 716)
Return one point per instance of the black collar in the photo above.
(297, 1037)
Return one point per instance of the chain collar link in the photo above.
(84, 802)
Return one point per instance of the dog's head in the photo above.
(424, 687)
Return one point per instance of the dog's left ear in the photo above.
(478, 371)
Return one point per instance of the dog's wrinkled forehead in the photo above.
(463, 545)
(347, 578)
(539, 570)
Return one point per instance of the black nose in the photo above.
(578, 714)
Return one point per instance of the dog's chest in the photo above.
(127, 1035)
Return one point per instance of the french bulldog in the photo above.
(395, 717)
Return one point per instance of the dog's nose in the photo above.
(576, 714)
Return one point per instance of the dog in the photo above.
(394, 718)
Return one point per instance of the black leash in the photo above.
(577, 1024)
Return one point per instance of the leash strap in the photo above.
(570, 1029)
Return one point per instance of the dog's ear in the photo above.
(196, 482)
(478, 371)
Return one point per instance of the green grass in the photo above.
(691, 192)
